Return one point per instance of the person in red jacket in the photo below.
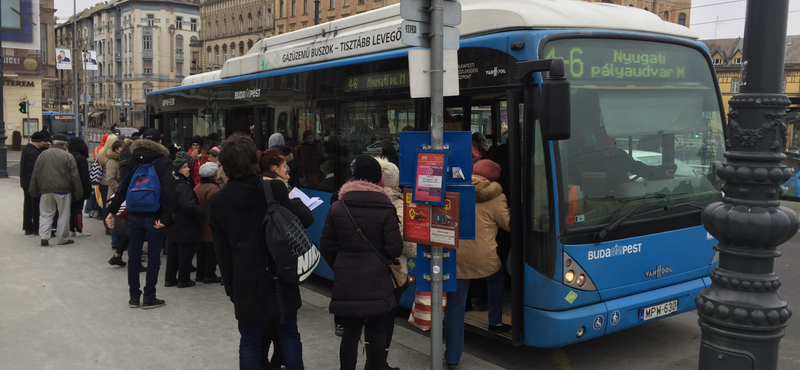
(200, 158)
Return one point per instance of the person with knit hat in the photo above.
(478, 259)
(184, 232)
(206, 259)
(363, 289)
(30, 212)
(213, 156)
(199, 157)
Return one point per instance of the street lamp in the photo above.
(742, 317)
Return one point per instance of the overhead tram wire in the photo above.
(729, 20)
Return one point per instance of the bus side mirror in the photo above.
(555, 112)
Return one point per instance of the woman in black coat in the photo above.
(235, 216)
(363, 292)
(78, 148)
(184, 232)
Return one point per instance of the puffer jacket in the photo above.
(362, 284)
(55, 171)
(478, 258)
(188, 215)
(112, 172)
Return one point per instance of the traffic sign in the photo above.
(419, 76)
(419, 10)
(415, 33)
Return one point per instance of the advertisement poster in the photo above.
(429, 181)
(431, 225)
(89, 60)
(63, 59)
(20, 24)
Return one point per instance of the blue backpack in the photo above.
(144, 190)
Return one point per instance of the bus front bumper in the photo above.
(550, 329)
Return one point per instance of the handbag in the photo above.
(95, 173)
(399, 278)
(421, 310)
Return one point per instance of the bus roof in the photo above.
(379, 30)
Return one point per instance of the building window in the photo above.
(737, 60)
(305, 6)
(361, 1)
(147, 42)
(281, 10)
(332, 4)
(241, 23)
(193, 25)
(233, 26)
(260, 20)
(216, 55)
(179, 49)
(217, 33)
(346, 3)
(147, 71)
(735, 85)
(233, 50)
(294, 8)
(208, 57)
(147, 87)
(269, 17)
(666, 15)
(208, 31)
(249, 44)
(225, 27)
(682, 19)
(241, 47)
(717, 61)
(151, 20)
(250, 21)
(179, 23)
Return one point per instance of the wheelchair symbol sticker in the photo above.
(615, 316)
(598, 322)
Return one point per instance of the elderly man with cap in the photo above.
(146, 226)
(30, 211)
(199, 157)
(56, 181)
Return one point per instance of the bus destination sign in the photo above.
(376, 81)
(63, 117)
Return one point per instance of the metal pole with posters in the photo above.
(3, 137)
(742, 317)
(75, 98)
(437, 128)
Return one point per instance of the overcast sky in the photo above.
(705, 14)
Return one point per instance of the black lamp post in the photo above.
(742, 317)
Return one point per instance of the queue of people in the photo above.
(210, 202)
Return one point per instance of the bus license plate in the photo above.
(659, 310)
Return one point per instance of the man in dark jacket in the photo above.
(80, 151)
(147, 226)
(184, 233)
(236, 213)
(30, 210)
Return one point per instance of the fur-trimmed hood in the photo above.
(359, 186)
(485, 190)
(147, 150)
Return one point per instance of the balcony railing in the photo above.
(147, 54)
(118, 57)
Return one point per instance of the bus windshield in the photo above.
(63, 125)
(645, 121)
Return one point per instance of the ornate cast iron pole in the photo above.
(742, 317)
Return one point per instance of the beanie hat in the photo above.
(196, 139)
(209, 169)
(391, 174)
(276, 139)
(151, 134)
(178, 163)
(189, 159)
(487, 168)
(215, 151)
(367, 168)
(38, 137)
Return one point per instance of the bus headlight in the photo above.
(569, 276)
(581, 280)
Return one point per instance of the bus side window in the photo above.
(541, 199)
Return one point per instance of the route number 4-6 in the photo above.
(574, 62)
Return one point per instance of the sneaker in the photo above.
(93, 214)
(152, 302)
(170, 283)
(81, 234)
(500, 328)
(116, 261)
(214, 280)
(338, 330)
(187, 284)
(45, 243)
(134, 302)
(68, 241)
(72, 234)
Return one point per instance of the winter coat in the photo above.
(188, 216)
(112, 172)
(362, 284)
(478, 258)
(235, 216)
(55, 171)
(77, 147)
(148, 151)
(26, 163)
(204, 190)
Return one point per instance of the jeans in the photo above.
(251, 338)
(495, 284)
(141, 229)
(454, 322)
(179, 261)
(114, 238)
(374, 341)
(206, 261)
(30, 212)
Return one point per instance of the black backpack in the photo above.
(291, 256)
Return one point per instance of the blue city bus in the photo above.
(60, 123)
(606, 232)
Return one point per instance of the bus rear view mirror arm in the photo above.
(553, 104)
